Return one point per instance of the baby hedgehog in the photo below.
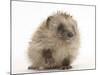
(55, 43)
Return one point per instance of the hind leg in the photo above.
(66, 64)
(31, 67)
(35, 68)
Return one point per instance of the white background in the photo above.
(26, 17)
(68, 1)
(4, 41)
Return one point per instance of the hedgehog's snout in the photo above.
(70, 34)
(63, 32)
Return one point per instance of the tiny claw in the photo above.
(66, 67)
(30, 67)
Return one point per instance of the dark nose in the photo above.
(70, 34)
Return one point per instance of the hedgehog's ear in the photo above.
(48, 20)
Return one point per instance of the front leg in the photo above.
(47, 55)
(49, 60)
(66, 64)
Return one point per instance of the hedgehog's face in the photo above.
(64, 27)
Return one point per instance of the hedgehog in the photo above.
(55, 43)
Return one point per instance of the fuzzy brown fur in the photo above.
(55, 43)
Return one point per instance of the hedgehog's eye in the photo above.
(60, 27)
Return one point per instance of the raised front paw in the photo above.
(49, 61)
